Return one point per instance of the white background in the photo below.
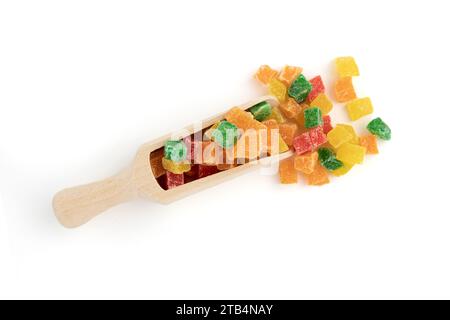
(84, 83)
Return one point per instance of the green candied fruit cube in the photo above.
(261, 111)
(313, 117)
(226, 134)
(328, 159)
(175, 150)
(379, 128)
(300, 88)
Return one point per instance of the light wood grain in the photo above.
(76, 206)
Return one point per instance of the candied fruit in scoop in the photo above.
(261, 111)
(176, 167)
(175, 150)
(226, 134)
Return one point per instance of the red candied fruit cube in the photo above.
(327, 126)
(302, 143)
(204, 171)
(317, 88)
(318, 137)
(174, 180)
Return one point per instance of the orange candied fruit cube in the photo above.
(288, 174)
(265, 74)
(343, 89)
(370, 143)
(306, 163)
(243, 120)
(318, 177)
(288, 132)
(290, 108)
(289, 74)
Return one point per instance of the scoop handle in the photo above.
(76, 206)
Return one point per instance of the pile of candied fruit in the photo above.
(300, 123)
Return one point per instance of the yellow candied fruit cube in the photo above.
(346, 67)
(351, 153)
(338, 136)
(283, 146)
(276, 115)
(342, 170)
(323, 103)
(176, 167)
(265, 74)
(359, 108)
(351, 130)
(277, 89)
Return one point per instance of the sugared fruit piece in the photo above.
(351, 153)
(289, 74)
(175, 150)
(277, 89)
(318, 177)
(323, 103)
(243, 120)
(287, 132)
(276, 115)
(176, 167)
(359, 108)
(338, 136)
(317, 88)
(306, 163)
(288, 174)
(265, 74)
(261, 111)
(327, 126)
(343, 89)
(328, 159)
(370, 143)
(379, 128)
(226, 134)
(313, 117)
(342, 170)
(351, 130)
(346, 67)
(290, 108)
(300, 89)
(174, 180)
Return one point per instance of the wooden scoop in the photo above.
(76, 206)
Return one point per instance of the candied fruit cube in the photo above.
(313, 117)
(343, 89)
(359, 108)
(346, 67)
(283, 145)
(205, 170)
(226, 134)
(288, 174)
(318, 137)
(289, 73)
(300, 89)
(175, 150)
(251, 144)
(265, 74)
(318, 177)
(317, 88)
(370, 143)
(174, 180)
(276, 115)
(156, 163)
(328, 159)
(379, 128)
(243, 120)
(351, 153)
(277, 89)
(287, 132)
(176, 167)
(342, 170)
(302, 143)
(351, 130)
(261, 111)
(327, 126)
(273, 134)
(290, 108)
(208, 135)
(323, 103)
(338, 136)
(306, 163)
